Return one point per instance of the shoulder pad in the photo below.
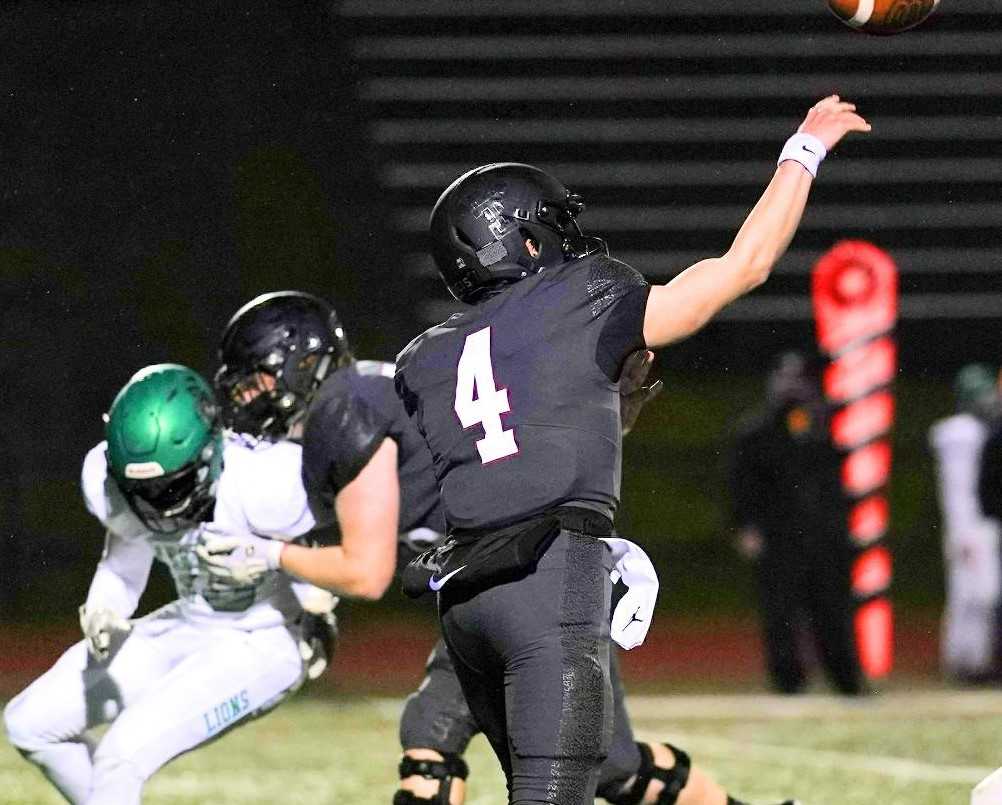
(92, 480)
(105, 500)
(609, 280)
(261, 489)
(375, 368)
(957, 429)
(343, 431)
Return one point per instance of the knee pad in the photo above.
(18, 734)
(25, 725)
(674, 779)
(451, 766)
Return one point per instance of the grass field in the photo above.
(899, 748)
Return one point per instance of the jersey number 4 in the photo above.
(479, 401)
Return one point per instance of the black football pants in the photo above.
(532, 657)
(436, 717)
(815, 591)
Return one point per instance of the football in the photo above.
(882, 16)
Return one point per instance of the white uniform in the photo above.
(970, 547)
(186, 672)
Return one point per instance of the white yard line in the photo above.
(709, 707)
(900, 768)
(721, 707)
(389, 709)
(905, 704)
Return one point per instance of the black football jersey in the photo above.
(350, 415)
(518, 397)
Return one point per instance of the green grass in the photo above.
(909, 747)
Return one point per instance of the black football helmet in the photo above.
(480, 224)
(275, 352)
(792, 380)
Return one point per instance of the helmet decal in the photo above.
(493, 212)
(144, 469)
(492, 253)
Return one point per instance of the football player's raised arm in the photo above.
(368, 513)
(680, 308)
(120, 576)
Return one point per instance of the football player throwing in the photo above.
(518, 399)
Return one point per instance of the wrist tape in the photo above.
(273, 554)
(806, 149)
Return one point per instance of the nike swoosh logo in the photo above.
(438, 584)
(808, 150)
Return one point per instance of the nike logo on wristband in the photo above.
(438, 584)
(808, 150)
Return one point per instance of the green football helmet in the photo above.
(977, 391)
(165, 449)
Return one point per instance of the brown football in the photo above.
(882, 16)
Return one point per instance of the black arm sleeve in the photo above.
(618, 294)
(343, 432)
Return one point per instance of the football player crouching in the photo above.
(212, 659)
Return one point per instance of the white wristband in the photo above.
(274, 554)
(806, 149)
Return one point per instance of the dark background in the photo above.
(162, 163)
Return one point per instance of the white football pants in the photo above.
(970, 620)
(169, 686)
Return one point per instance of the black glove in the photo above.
(633, 394)
(317, 641)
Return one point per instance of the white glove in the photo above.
(634, 611)
(313, 599)
(99, 627)
(239, 559)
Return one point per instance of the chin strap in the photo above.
(579, 246)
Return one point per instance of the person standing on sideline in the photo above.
(791, 515)
(968, 643)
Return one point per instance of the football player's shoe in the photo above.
(481, 222)
(165, 448)
(274, 353)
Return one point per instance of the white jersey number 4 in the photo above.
(479, 401)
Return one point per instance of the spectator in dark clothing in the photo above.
(791, 517)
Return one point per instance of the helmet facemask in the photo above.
(181, 499)
(561, 218)
(267, 400)
(275, 353)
